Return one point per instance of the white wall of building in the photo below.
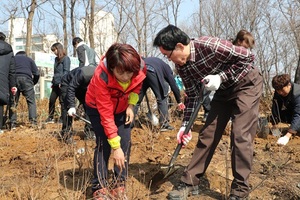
(104, 31)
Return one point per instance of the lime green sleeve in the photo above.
(133, 98)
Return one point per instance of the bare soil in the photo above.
(34, 164)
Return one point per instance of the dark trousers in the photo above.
(103, 150)
(152, 82)
(55, 93)
(240, 103)
(26, 87)
(66, 119)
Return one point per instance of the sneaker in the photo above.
(1, 131)
(119, 193)
(13, 126)
(49, 120)
(101, 194)
(234, 197)
(183, 191)
(166, 127)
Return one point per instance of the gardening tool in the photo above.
(152, 117)
(275, 132)
(83, 119)
(165, 172)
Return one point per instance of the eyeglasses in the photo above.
(166, 56)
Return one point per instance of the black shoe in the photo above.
(166, 127)
(49, 120)
(234, 197)
(183, 191)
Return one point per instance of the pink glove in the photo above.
(14, 90)
(181, 106)
(183, 139)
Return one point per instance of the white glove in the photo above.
(71, 112)
(212, 82)
(283, 140)
(183, 138)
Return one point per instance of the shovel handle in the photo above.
(83, 119)
(186, 130)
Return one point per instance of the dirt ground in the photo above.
(34, 164)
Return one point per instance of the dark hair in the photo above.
(21, 52)
(60, 50)
(76, 40)
(2, 36)
(246, 36)
(280, 81)
(124, 57)
(168, 37)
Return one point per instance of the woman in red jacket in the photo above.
(110, 99)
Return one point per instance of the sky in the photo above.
(186, 9)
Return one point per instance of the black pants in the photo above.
(103, 149)
(55, 93)
(66, 119)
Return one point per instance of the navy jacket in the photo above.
(61, 68)
(25, 66)
(287, 109)
(165, 76)
(7, 71)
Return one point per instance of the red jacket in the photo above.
(106, 95)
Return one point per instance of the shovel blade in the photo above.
(161, 176)
(276, 132)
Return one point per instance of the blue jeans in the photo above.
(26, 87)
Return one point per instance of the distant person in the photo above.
(86, 55)
(244, 39)
(27, 75)
(110, 100)
(7, 75)
(62, 66)
(229, 71)
(74, 85)
(159, 78)
(286, 106)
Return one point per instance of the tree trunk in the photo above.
(29, 26)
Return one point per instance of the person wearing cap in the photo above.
(7, 75)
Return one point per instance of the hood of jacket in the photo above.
(5, 48)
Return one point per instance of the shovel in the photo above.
(153, 119)
(165, 172)
(275, 132)
(83, 119)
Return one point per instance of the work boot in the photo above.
(183, 191)
(101, 194)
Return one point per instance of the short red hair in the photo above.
(124, 57)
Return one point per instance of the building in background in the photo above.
(104, 31)
(17, 37)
